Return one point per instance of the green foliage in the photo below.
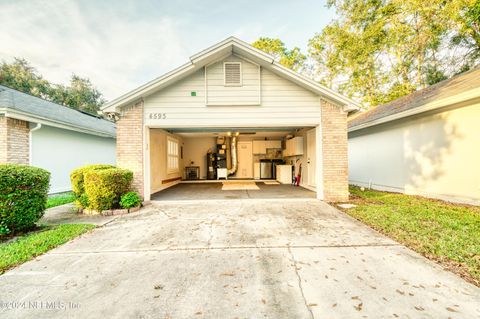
(21, 76)
(105, 187)
(442, 231)
(60, 199)
(23, 197)
(292, 59)
(80, 94)
(25, 248)
(129, 200)
(77, 178)
(380, 50)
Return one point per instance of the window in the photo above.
(232, 73)
(172, 156)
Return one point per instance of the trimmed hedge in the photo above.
(23, 196)
(77, 177)
(105, 187)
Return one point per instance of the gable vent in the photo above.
(233, 73)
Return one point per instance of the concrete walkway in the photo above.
(235, 259)
(67, 214)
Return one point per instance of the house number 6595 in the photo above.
(158, 116)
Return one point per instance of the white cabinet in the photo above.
(260, 147)
(294, 146)
(273, 144)
(284, 174)
(256, 170)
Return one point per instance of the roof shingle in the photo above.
(458, 84)
(40, 108)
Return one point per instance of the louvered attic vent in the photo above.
(233, 73)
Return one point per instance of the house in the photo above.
(233, 112)
(426, 143)
(40, 133)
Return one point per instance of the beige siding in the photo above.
(283, 103)
(246, 94)
(434, 155)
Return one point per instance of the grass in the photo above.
(24, 248)
(57, 200)
(444, 232)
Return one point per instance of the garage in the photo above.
(230, 163)
(233, 123)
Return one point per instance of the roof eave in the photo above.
(469, 96)
(19, 115)
(230, 45)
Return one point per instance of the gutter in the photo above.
(45, 121)
(466, 97)
(30, 144)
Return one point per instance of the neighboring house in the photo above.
(426, 143)
(40, 133)
(233, 89)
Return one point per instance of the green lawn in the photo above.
(57, 200)
(444, 232)
(23, 248)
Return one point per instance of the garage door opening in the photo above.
(228, 163)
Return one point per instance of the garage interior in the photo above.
(232, 163)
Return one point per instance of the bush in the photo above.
(77, 177)
(23, 197)
(104, 187)
(129, 200)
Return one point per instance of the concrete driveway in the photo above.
(235, 259)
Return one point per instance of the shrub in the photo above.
(77, 177)
(23, 196)
(104, 187)
(129, 200)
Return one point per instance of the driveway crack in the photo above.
(300, 282)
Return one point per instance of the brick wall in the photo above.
(14, 141)
(3, 139)
(130, 143)
(335, 153)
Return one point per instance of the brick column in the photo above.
(130, 143)
(335, 153)
(14, 141)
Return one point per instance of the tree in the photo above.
(379, 50)
(80, 94)
(21, 76)
(292, 59)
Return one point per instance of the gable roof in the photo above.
(460, 88)
(221, 50)
(16, 104)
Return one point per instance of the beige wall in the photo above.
(195, 150)
(159, 176)
(434, 155)
(283, 103)
(246, 94)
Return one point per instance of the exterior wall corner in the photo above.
(129, 150)
(334, 153)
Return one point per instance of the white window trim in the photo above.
(224, 74)
(177, 169)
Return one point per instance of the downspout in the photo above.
(233, 154)
(36, 127)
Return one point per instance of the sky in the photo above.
(120, 45)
